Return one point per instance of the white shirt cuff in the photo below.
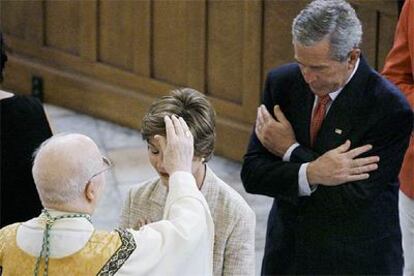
(304, 188)
(288, 153)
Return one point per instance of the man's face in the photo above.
(323, 74)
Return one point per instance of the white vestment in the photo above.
(181, 244)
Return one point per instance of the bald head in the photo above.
(62, 166)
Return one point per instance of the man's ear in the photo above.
(90, 191)
(353, 56)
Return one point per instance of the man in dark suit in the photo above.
(331, 154)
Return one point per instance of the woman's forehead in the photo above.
(153, 142)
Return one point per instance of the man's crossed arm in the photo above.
(337, 166)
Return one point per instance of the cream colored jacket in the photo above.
(234, 221)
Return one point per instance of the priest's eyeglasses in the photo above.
(107, 165)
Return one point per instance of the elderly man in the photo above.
(335, 209)
(68, 172)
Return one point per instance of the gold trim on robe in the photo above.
(103, 254)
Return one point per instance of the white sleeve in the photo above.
(304, 188)
(181, 243)
(288, 153)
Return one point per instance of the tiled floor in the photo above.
(128, 152)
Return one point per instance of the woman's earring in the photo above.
(203, 159)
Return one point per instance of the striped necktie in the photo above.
(318, 116)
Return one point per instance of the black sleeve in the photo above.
(264, 173)
(303, 154)
(389, 138)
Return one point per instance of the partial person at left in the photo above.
(23, 127)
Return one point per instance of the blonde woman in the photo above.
(234, 251)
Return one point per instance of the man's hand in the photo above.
(177, 147)
(275, 135)
(341, 165)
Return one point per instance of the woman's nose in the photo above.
(161, 167)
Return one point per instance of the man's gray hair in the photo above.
(62, 166)
(335, 20)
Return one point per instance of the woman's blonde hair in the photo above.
(194, 108)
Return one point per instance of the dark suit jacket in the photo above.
(347, 229)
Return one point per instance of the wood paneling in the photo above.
(378, 22)
(196, 45)
(169, 38)
(234, 64)
(141, 38)
(111, 59)
(385, 37)
(116, 45)
(369, 20)
(277, 38)
(23, 19)
(225, 50)
(88, 30)
(62, 25)
(252, 59)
